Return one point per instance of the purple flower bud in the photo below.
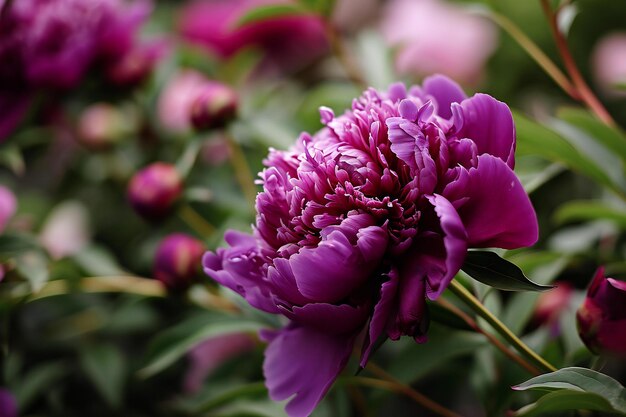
(551, 304)
(609, 64)
(177, 261)
(8, 403)
(137, 64)
(154, 190)
(602, 317)
(361, 223)
(214, 106)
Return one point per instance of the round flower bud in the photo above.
(551, 305)
(602, 317)
(214, 106)
(154, 190)
(177, 261)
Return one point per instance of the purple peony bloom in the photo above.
(50, 45)
(287, 42)
(602, 317)
(361, 223)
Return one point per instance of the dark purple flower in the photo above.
(50, 45)
(177, 261)
(154, 190)
(8, 404)
(361, 223)
(136, 65)
(214, 106)
(602, 317)
(286, 41)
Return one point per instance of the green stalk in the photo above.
(472, 302)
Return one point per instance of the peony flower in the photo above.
(177, 259)
(8, 205)
(50, 45)
(435, 36)
(609, 63)
(286, 41)
(154, 190)
(361, 223)
(602, 317)
(176, 98)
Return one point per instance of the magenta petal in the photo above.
(336, 267)
(454, 241)
(489, 123)
(382, 312)
(445, 92)
(498, 212)
(302, 363)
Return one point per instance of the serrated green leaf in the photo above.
(584, 387)
(259, 14)
(105, 367)
(590, 210)
(175, 342)
(490, 269)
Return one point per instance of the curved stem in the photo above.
(195, 221)
(118, 283)
(468, 298)
(343, 56)
(535, 53)
(390, 383)
(242, 170)
(585, 93)
(493, 340)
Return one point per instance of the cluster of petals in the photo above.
(361, 223)
(50, 44)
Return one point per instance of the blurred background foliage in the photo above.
(76, 346)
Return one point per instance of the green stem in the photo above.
(195, 221)
(468, 298)
(243, 174)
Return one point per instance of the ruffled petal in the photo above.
(489, 123)
(497, 212)
(301, 364)
(336, 267)
(445, 92)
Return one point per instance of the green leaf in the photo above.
(323, 7)
(37, 382)
(33, 266)
(611, 138)
(105, 367)
(271, 11)
(535, 139)
(175, 342)
(575, 388)
(15, 244)
(590, 210)
(490, 269)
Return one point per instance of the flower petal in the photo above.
(489, 123)
(302, 363)
(445, 92)
(498, 212)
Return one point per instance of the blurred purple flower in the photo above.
(176, 98)
(602, 317)
(50, 44)
(211, 353)
(177, 261)
(609, 63)
(436, 36)
(155, 189)
(8, 403)
(287, 41)
(137, 63)
(362, 222)
(8, 205)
